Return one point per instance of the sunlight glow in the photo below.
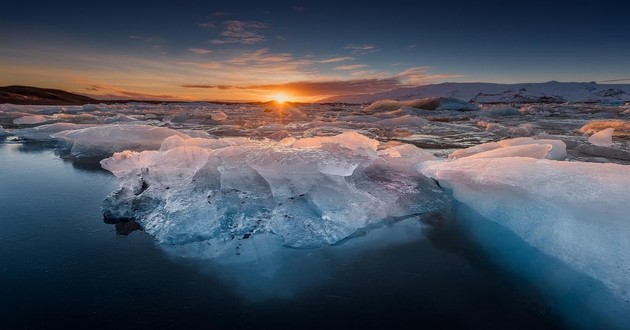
(280, 98)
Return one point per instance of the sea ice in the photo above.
(574, 211)
(204, 197)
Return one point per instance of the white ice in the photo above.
(574, 211)
(517, 147)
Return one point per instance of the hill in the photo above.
(41, 96)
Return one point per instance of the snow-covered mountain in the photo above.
(549, 92)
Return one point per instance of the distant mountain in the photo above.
(549, 92)
(41, 96)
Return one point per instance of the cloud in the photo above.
(107, 92)
(337, 59)
(241, 32)
(350, 67)
(94, 88)
(317, 88)
(362, 49)
(375, 82)
(299, 9)
(259, 65)
(199, 51)
(420, 75)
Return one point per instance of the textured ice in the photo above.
(30, 120)
(204, 197)
(46, 132)
(574, 211)
(107, 139)
(602, 138)
(517, 147)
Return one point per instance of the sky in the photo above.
(305, 51)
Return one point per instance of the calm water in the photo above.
(60, 265)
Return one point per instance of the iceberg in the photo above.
(103, 140)
(205, 197)
(574, 211)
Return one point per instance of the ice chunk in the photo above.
(622, 127)
(500, 111)
(576, 212)
(45, 132)
(602, 138)
(528, 150)
(526, 129)
(430, 103)
(106, 139)
(119, 118)
(219, 116)
(199, 197)
(351, 140)
(3, 132)
(30, 120)
(604, 152)
(557, 151)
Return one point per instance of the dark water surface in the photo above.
(62, 267)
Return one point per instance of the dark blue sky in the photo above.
(246, 50)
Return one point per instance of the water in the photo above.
(62, 266)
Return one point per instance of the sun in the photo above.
(280, 98)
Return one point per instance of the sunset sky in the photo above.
(211, 50)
